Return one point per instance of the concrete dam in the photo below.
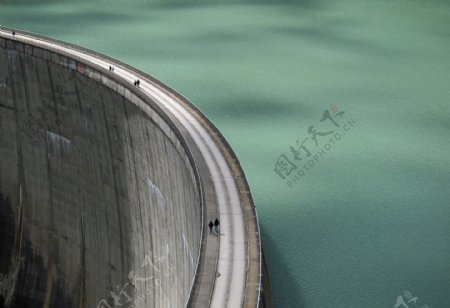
(107, 188)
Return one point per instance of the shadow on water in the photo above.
(82, 18)
(328, 36)
(190, 43)
(177, 4)
(247, 107)
(280, 275)
(218, 36)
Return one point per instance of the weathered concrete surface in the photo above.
(95, 190)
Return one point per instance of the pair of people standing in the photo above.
(216, 226)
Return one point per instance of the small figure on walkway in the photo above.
(138, 82)
(217, 226)
(111, 68)
(210, 225)
(14, 33)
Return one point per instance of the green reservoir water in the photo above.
(366, 221)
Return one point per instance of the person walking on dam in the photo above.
(210, 225)
(217, 225)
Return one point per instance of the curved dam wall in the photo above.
(100, 202)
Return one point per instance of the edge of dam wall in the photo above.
(43, 266)
(257, 286)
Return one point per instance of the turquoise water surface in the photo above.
(366, 222)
